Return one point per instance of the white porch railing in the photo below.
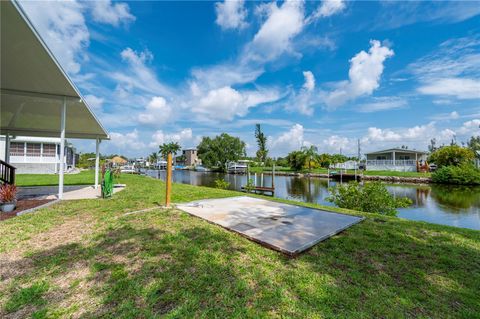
(391, 163)
(35, 159)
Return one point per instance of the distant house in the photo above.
(191, 157)
(118, 161)
(395, 159)
(38, 155)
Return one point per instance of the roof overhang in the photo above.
(34, 87)
(396, 150)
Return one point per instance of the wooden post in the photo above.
(169, 180)
(273, 176)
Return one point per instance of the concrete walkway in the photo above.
(69, 192)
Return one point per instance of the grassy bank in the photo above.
(325, 171)
(88, 259)
(83, 178)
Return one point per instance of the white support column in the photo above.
(62, 148)
(97, 161)
(7, 148)
(393, 158)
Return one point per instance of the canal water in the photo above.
(441, 204)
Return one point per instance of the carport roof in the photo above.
(34, 86)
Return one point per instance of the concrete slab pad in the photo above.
(287, 228)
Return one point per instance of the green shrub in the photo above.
(221, 184)
(452, 155)
(250, 186)
(465, 174)
(371, 197)
(296, 160)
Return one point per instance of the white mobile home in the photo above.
(395, 159)
(38, 155)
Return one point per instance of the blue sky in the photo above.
(326, 73)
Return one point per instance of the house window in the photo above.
(33, 149)
(17, 149)
(404, 157)
(49, 150)
(381, 158)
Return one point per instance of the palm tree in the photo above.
(311, 155)
(153, 157)
(262, 144)
(166, 150)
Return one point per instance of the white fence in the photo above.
(391, 163)
(36, 159)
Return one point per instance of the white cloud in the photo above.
(304, 100)
(138, 75)
(445, 116)
(328, 8)
(225, 103)
(401, 13)
(182, 137)
(62, 26)
(382, 104)
(380, 135)
(336, 143)
(446, 135)
(309, 84)
(452, 70)
(461, 88)
(225, 75)
(231, 14)
(291, 140)
(156, 112)
(410, 134)
(94, 102)
(470, 127)
(275, 35)
(104, 11)
(364, 75)
(127, 141)
(273, 39)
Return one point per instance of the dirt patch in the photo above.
(24, 204)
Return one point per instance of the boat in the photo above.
(128, 169)
(239, 167)
(200, 168)
(161, 165)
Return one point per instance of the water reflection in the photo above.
(449, 205)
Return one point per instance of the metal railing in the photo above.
(7, 173)
(391, 163)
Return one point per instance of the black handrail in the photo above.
(7, 173)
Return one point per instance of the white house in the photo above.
(38, 155)
(395, 159)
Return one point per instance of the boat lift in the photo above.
(270, 191)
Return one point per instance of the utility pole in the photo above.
(358, 151)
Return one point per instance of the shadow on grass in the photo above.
(378, 268)
(136, 273)
(390, 269)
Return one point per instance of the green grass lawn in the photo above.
(88, 259)
(83, 178)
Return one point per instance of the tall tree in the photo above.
(433, 145)
(474, 143)
(311, 155)
(218, 151)
(167, 150)
(262, 144)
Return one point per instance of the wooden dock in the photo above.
(261, 190)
